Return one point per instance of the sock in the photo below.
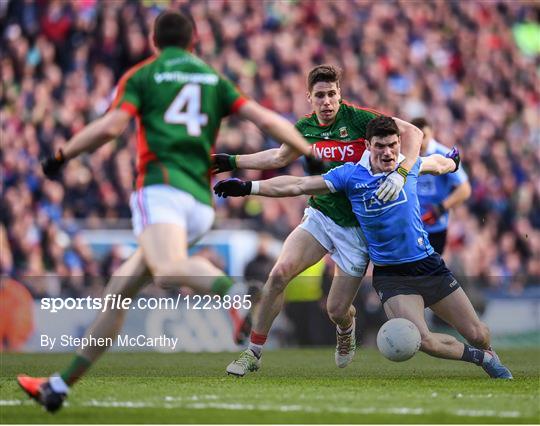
(76, 369)
(222, 285)
(58, 384)
(348, 330)
(256, 349)
(474, 355)
(256, 342)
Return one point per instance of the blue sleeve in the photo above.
(458, 177)
(339, 176)
(415, 170)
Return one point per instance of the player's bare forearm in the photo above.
(291, 186)
(411, 140)
(437, 164)
(267, 160)
(97, 133)
(458, 196)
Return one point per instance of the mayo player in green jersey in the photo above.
(178, 102)
(336, 130)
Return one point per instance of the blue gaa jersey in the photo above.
(393, 230)
(435, 189)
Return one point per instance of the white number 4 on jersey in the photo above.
(186, 109)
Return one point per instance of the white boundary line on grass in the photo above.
(194, 402)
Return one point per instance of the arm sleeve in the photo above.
(415, 170)
(127, 95)
(230, 95)
(458, 177)
(337, 178)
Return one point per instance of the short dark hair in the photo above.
(420, 122)
(172, 28)
(326, 73)
(381, 126)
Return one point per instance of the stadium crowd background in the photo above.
(470, 67)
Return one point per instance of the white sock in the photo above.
(487, 357)
(58, 384)
(256, 349)
(348, 330)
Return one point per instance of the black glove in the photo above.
(454, 155)
(223, 163)
(232, 187)
(52, 165)
(314, 166)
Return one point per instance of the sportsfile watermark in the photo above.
(117, 301)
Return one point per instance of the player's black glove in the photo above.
(52, 165)
(223, 163)
(313, 166)
(433, 213)
(232, 187)
(454, 156)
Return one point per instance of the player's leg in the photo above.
(127, 280)
(457, 310)
(300, 251)
(166, 221)
(351, 258)
(342, 313)
(340, 298)
(165, 249)
(411, 307)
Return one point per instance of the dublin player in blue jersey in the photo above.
(438, 194)
(408, 274)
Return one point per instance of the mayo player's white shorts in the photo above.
(166, 204)
(346, 245)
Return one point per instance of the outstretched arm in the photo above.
(281, 186)
(437, 164)
(269, 159)
(97, 133)
(90, 138)
(290, 186)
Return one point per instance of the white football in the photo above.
(398, 339)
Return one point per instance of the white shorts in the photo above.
(166, 204)
(347, 246)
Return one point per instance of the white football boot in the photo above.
(246, 362)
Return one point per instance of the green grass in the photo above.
(294, 386)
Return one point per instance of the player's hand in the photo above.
(52, 165)
(232, 187)
(433, 213)
(454, 156)
(392, 185)
(223, 163)
(313, 165)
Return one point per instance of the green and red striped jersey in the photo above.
(338, 143)
(178, 101)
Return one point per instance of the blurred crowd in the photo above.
(470, 67)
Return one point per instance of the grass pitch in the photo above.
(293, 386)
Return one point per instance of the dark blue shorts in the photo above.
(428, 277)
